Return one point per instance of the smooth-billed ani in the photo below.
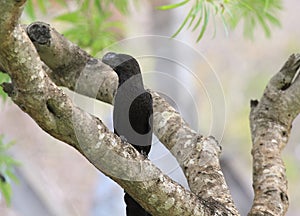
(132, 115)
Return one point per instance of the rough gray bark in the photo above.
(271, 122)
(35, 93)
(34, 89)
(197, 155)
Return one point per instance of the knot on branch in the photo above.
(39, 32)
(281, 99)
(287, 74)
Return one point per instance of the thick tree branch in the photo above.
(2, 69)
(198, 156)
(271, 121)
(71, 66)
(53, 110)
(9, 20)
(49, 106)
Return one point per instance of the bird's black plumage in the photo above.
(132, 115)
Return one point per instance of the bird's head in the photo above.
(122, 64)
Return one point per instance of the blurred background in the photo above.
(209, 82)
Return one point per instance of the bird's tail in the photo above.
(133, 208)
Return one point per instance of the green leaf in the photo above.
(206, 18)
(267, 3)
(273, 19)
(194, 13)
(8, 160)
(98, 5)
(172, 6)
(33, 7)
(183, 24)
(264, 25)
(11, 175)
(248, 6)
(72, 17)
(121, 5)
(199, 20)
(29, 10)
(6, 192)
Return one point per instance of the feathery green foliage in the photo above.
(253, 13)
(43, 5)
(90, 25)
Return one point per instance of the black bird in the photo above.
(132, 115)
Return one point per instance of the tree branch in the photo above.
(12, 11)
(271, 122)
(35, 93)
(198, 156)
